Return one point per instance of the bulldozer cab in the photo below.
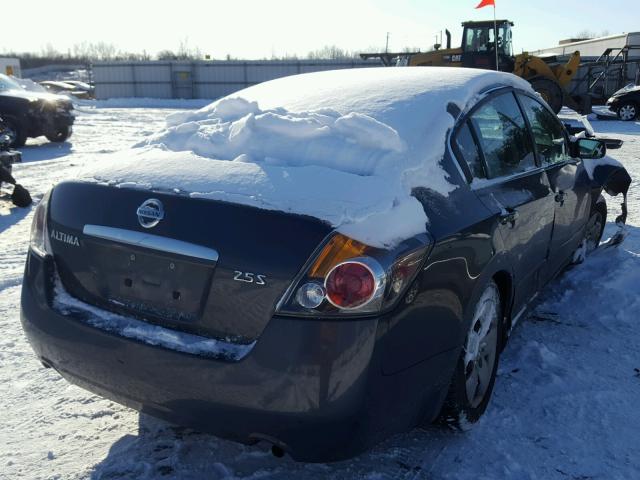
(479, 44)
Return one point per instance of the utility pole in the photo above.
(386, 48)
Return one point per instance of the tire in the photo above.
(20, 196)
(628, 112)
(16, 129)
(593, 231)
(59, 135)
(550, 91)
(475, 374)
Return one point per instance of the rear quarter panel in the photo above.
(468, 251)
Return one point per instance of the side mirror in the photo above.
(590, 148)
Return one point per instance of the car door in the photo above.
(512, 185)
(571, 196)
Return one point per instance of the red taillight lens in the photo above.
(346, 277)
(350, 285)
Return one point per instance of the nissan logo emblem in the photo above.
(150, 213)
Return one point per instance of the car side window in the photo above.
(503, 136)
(468, 149)
(548, 133)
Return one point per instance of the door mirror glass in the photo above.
(590, 148)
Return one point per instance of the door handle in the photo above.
(560, 196)
(509, 217)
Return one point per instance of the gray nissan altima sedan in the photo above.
(318, 261)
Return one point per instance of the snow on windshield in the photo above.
(346, 147)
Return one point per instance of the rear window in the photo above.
(467, 149)
(503, 136)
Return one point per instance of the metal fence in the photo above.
(601, 80)
(200, 79)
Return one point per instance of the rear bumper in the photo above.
(315, 388)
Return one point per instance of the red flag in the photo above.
(486, 3)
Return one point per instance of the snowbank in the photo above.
(344, 146)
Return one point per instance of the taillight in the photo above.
(351, 284)
(39, 241)
(349, 277)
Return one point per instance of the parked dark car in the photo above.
(325, 344)
(32, 114)
(626, 102)
(88, 90)
(71, 87)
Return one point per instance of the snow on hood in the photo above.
(627, 89)
(344, 146)
(591, 164)
(29, 85)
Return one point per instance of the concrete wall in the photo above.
(200, 79)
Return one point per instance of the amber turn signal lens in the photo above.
(336, 251)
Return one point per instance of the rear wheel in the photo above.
(628, 112)
(550, 91)
(16, 130)
(475, 374)
(59, 135)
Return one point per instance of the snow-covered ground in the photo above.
(565, 405)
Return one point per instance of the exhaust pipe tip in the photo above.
(277, 451)
(278, 448)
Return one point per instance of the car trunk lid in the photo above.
(206, 267)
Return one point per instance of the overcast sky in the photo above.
(262, 28)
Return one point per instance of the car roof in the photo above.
(347, 147)
(402, 97)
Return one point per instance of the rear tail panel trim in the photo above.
(152, 242)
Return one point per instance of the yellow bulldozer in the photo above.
(547, 76)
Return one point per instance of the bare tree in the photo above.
(185, 52)
(585, 35)
(331, 52)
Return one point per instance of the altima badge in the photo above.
(150, 213)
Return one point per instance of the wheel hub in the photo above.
(627, 112)
(481, 347)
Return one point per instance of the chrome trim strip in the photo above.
(153, 242)
(480, 183)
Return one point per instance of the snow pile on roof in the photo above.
(344, 146)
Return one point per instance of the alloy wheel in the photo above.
(627, 112)
(593, 232)
(481, 347)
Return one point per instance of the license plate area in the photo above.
(153, 284)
